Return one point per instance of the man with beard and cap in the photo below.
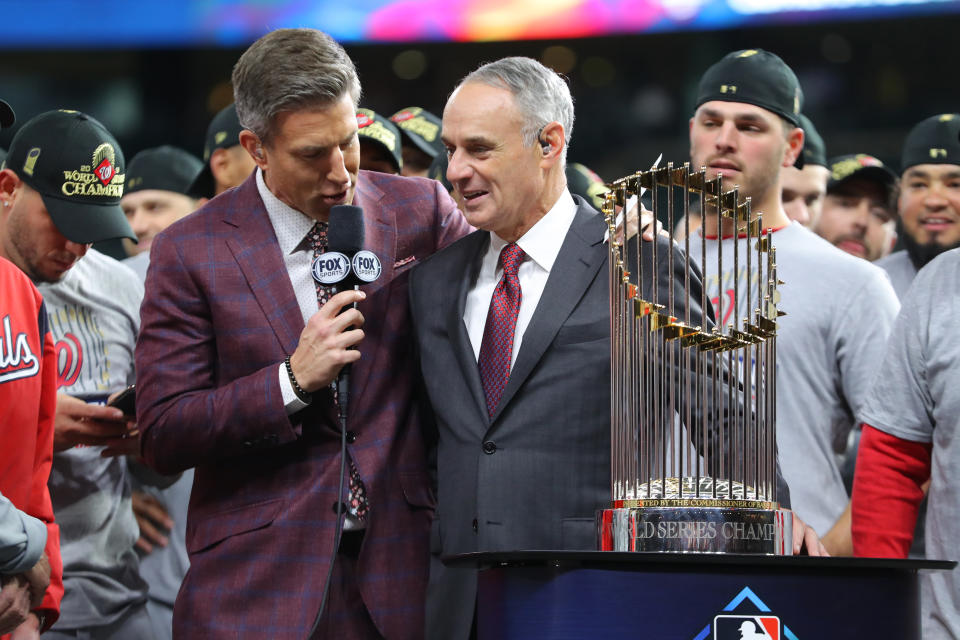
(379, 143)
(420, 131)
(155, 196)
(226, 164)
(839, 309)
(859, 211)
(910, 441)
(31, 571)
(804, 188)
(929, 202)
(63, 179)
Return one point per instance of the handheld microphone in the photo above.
(345, 265)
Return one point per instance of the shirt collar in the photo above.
(542, 241)
(290, 225)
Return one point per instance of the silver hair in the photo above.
(541, 94)
(290, 69)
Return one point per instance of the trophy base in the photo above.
(696, 525)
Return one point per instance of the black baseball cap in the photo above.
(420, 127)
(814, 149)
(756, 77)
(935, 140)
(77, 167)
(860, 165)
(585, 183)
(222, 133)
(3, 156)
(373, 127)
(7, 117)
(165, 168)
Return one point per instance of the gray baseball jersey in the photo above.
(914, 397)
(899, 267)
(839, 313)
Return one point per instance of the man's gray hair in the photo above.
(541, 93)
(290, 69)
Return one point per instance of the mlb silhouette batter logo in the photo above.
(746, 627)
(757, 622)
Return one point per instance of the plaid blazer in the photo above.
(218, 318)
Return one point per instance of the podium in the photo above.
(577, 595)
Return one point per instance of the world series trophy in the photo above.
(693, 407)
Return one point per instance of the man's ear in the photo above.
(9, 181)
(552, 141)
(794, 147)
(253, 146)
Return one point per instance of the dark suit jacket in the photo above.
(218, 318)
(533, 475)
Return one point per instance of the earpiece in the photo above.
(545, 146)
(260, 153)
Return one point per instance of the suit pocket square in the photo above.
(404, 262)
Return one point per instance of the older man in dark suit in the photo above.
(236, 357)
(513, 327)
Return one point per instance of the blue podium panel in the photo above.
(604, 595)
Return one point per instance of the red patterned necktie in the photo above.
(497, 345)
(357, 498)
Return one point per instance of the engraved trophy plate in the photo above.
(693, 429)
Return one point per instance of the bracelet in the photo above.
(297, 389)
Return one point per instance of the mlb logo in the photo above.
(746, 627)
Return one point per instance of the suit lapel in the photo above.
(380, 237)
(255, 248)
(580, 257)
(468, 267)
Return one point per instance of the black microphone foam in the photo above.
(345, 231)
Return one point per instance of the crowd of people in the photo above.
(296, 459)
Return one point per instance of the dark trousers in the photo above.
(346, 616)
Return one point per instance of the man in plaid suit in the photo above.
(237, 352)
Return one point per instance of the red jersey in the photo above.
(28, 400)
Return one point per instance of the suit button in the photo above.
(489, 447)
(475, 525)
(341, 506)
(351, 437)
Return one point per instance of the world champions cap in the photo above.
(7, 117)
(376, 129)
(164, 168)
(932, 141)
(77, 167)
(420, 127)
(756, 77)
(814, 149)
(223, 132)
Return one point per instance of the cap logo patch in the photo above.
(748, 53)
(219, 137)
(728, 88)
(363, 120)
(31, 160)
(796, 101)
(104, 157)
(938, 153)
(947, 117)
(406, 114)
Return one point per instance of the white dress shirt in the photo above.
(291, 228)
(541, 244)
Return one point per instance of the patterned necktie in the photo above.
(357, 499)
(497, 345)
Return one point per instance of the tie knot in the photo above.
(317, 237)
(510, 257)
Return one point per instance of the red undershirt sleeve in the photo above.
(887, 493)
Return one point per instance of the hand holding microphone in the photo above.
(325, 343)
